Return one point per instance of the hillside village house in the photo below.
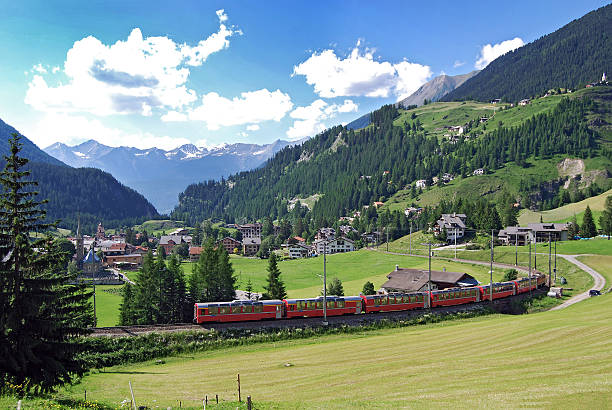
(454, 224)
(298, 250)
(250, 246)
(250, 230)
(325, 234)
(417, 280)
(128, 261)
(335, 245)
(540, 232)
(421, 183)
(230, 244)
(194, 253)
(524, 102)
(479, 171)
(170, 241)
(514, 235)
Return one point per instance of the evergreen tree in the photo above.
(275, 288)
(41, 313)
(226, 290)
(335, 288)
(127, 309)
(147, 291)
(249, 289)
(605, 220)
(573, 229)
(588, 229)
(177, 298)
(368, 288)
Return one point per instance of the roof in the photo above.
(415, 279)
(165, 239)
(195, 250)
(251, 241)
(91, 257)
(241, 302)
(230, 238)
(547, 227)
(513, 230)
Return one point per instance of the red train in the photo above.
(238, 311)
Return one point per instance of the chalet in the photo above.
(543, 232)
(297, 239)
(514, 235)
(371, 237)
(457, 128)
(299, 250)
(386, 173)
(483, 119)
(421, 183)
(140, 249)
(454, 224)
(417, 280)
(447, 177)
(194, 253)
(524, 102)
(230, 244)
(479, 171)
(412, 211)
(325, 234)
(334, 245)
(496, 101)
(179, 231)
(346, 230)
(250, 246)
(170, 241)
(250, 230)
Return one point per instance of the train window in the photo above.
(311, 305)
(319, 305)
(224, 310)
(391, 300)
(299, 305)
(258, 308)
(330, 304)
(376, 301)
(201, 312)
(235, 309)
(213, 310)
(340, 303)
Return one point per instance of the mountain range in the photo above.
(90, 193)
(436, 88)
(161, 175)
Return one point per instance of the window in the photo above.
(340, 303)
(236, 309)
(319, 305)
(201, 312)
(376, 301)
(312, 305)
(224, 310)
(391, 300)
(258, 308)
(213, 310)
(247, 309)
(330, 305)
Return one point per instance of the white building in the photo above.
(336, 245)
(421, 183)
(299, 250)
(479, 171)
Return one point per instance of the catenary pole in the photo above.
(455, 243)
(491, 272)
(555, 269)
(516, 249)
(429, 270)
(410, 240)
(324, 284)
(549, 260)
(529, 268)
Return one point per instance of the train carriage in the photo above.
(238, 311)
(500, 290)
(455, 296)
(394, 302)
(313, 307)
(541, 280)
(525, 284)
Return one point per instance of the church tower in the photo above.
(604, 78)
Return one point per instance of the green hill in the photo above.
(571, 57)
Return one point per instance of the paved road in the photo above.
(122, 276)
(598, 280)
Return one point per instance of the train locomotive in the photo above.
(240, 310)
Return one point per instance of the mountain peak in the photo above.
(436, 88)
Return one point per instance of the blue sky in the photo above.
(209, 72)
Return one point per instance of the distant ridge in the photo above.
(436, 88)
(576, 54)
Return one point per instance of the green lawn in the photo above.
(545, 360)
(353, 269)
(108, 299)
(602, 264)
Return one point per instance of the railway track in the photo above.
(351, 320)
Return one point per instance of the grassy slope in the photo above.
(107, 304)
(545, 360)
(567, 212)
(602, 264)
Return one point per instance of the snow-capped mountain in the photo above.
(161, 175)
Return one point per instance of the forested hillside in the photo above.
(94, 194)
(571, 57)
(355, 168)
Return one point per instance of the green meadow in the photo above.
(554, 359)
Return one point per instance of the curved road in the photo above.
(598, 281)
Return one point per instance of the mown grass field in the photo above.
(560, 359)
(108, 299)
(602, 264)
(566, 213)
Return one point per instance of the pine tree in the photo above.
(249, 289)
(573, 229)
(41, 312)
(588, 229)
(127, 309)
(226, 279)
(176, 292)
(368, 288)
(605, 220)
(147, 291)
(335, 288)
(275, 288)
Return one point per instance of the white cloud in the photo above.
(74, 129)
(309, 119)
(173, 116)
(132, 76)
(55, 69)
(252, 127)
(458, 63)
(250, 108)
(359, 74)
(490, 52)
(39, 68)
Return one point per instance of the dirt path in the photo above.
(598, 280)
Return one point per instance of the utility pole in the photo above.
(410, 240)
(324, 284)
(491, 287)
(529, 268)
(555, 269)
(535, 252)
(387, 238)
(429, 275)
(94, 303)
(455, 243)
(516, 249)
(549, 258)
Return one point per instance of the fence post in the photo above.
(132, 393)
(217, 398)
(249, 403)
(239, 398)
(85, 395)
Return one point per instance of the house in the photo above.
(479, 171)
(179, 231)
(334, 245)
(92, 265)
(250, 246)
(454, 224)
(325, 234)
(483, 119)
(447, 177)
(100, 232)
(230, 244)
(416, 280)
(421, 183)
(457, 128)
(194, 253)
(129, 261)
(168, 242)
(250, 230)
(543, 232)
(514, 235)
(378, 204)
(412, 211)
(297, 239)
(371, 237)
(524, 101)
(140, 249)
(496, 101)
(345, 230)
(299, 250)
